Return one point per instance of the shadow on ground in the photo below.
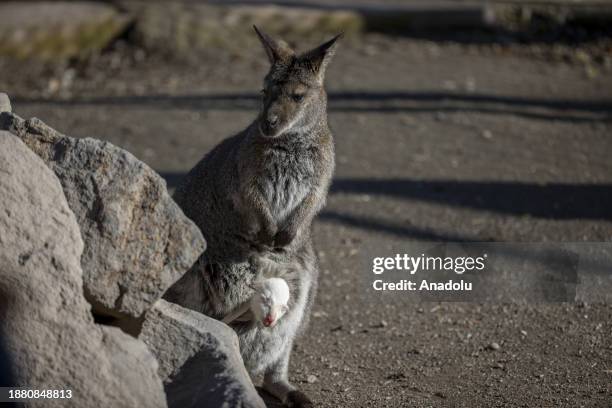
(559, 201)
(551, 200)
(567, 110)
(554, 201)
(269, 399)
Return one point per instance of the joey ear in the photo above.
(276, 50)
(318, 58)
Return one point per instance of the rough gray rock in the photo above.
(50, 332)
(5, 103)
(204, 25)
(137, 240)
(199, 359)
(58, 29)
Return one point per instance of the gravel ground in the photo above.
(435, 142)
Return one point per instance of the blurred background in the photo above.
(454, 121)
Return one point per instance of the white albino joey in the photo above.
(270, 301)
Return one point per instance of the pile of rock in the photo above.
(91, 239)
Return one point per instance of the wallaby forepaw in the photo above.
(283, 238)
(265, 238)
(258, 238)
(265, 235)
(298, 399)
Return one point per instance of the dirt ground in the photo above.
(436, 141)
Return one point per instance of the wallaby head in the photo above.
(293, 96)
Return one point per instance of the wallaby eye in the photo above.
(297, 97)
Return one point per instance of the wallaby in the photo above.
(254, 196)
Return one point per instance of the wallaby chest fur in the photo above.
(254, 197)
(285, 176)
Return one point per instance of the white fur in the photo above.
(270, 301)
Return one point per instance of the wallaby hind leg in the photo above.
(276, 382)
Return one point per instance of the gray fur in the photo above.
(254, 196)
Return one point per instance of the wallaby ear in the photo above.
(318, 58)
(276, 50)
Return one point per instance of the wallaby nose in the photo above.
(268, 321)
(272, 119)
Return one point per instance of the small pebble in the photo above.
(380, 325)
(311, 379)
(487, 134)
(493, 346)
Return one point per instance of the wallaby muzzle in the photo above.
(272, 121)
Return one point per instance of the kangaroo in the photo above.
(254, 197)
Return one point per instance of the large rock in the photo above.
(199, 359)
(50, 333)
(137, 240)
(185, 29)
(58, 29)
